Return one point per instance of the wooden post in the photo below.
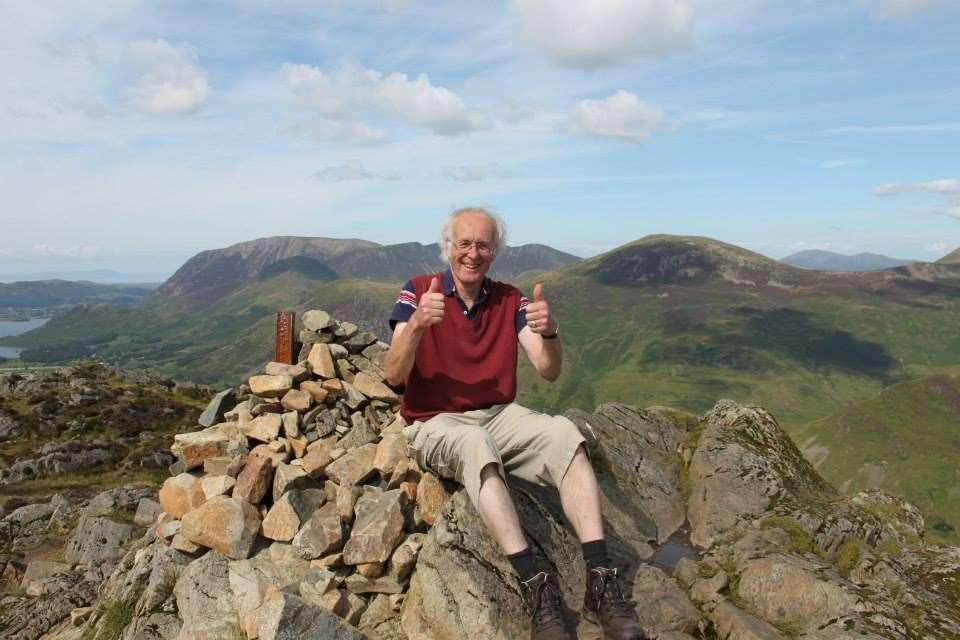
(284, 350)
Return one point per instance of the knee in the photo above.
(476, 438)
(566, 432)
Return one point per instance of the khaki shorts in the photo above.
(526, 444)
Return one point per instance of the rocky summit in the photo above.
(293, 511)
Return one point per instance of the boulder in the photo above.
(297, 372)
(316, 320)
(732, 623)
(391, 449)
(204, 601)
(147, 512)
(227, 525)
(269, 386)
(284, 616)
(353, 467)
(296, 400)
(378, 528)
(97, 540)
(288, 513)
(256, 477)
(287, 477)
(431, 497)
(217, 485)
(265, 428)
(181, 494)
(291, 424)
(316, 390)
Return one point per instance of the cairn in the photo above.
(305, 464)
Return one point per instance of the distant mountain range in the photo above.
(830, 261)
(212, 275)
(100, 276)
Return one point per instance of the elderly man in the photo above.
(455, 337)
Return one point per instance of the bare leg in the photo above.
(580, 497)
(498, 513)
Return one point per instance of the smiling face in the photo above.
(472, 252)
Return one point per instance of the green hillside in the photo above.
(905, 440)
(663, 320)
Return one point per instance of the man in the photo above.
(455, 337)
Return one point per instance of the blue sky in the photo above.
(135, 134)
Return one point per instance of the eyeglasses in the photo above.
(463, 246)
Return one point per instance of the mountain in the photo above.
(211, 275)
(57, 293)
(951, 258)
(830, 261)
(665, 319)
(904, 440)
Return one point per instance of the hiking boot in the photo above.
(604, 605)
(542, 597)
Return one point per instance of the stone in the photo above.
(391, 449)
(380, 619)
(40, 569)
(370, 569)
(291, 424)
(316, 391)
(732, 623)
(289, 512)
(377, 530)
(284, 616)
(354, 399)
(706, 591)
(249, 585)
(227, 525)
(321, 362)
(334, 387)
(287, 477)
(316, 583)
(217, 407)
(182, 544)
(297, 372)
(361, 433)
(316, 320)
(166, 530)
(256, 477)
(270, 386)
(298, 446)
(296, 400)
(354, 466)
(80, 615)
(224, 465)
(799, 592)
(373, 388)
(194, 448)
(322, 534)
(331, 561)
(360, 584)
(661, 605)
(347, 496)
(431, 498)
(315, 461)
(404, 557)
(410, 490)
(264, 428)
(147, 512)
(181, 494)
(97, 540)
(217, 485)
(204, 600)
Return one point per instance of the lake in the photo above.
(11, 328)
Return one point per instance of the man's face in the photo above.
(472, 252)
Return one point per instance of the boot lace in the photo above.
(545, 607)
(610, 596)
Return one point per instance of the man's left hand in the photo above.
(538, 314)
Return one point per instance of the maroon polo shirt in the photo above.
(469, 360)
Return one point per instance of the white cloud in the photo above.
(76, 251)
(341, 94)
(171, 83)
(937, 247)
(623, 115)
(840, 164)
(598, 33)
(474, 173)
(950, 211)
(326, 130)
(351, 171)
(946, 186)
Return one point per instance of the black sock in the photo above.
(524, 563)
(595, 554)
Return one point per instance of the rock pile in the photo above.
(304, 491)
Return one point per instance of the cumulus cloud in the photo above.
(623, 115)
(597, 33)
(170, 82)
(349, 171)
(474, 173)
(339, 95)
(947, 187)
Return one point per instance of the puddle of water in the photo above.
(670, 552)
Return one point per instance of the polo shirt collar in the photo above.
(449, 289)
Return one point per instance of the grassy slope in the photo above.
(905, 439)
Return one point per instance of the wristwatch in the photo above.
(552, 336)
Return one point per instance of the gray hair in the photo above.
(446, 232)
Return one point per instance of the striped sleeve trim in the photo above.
(408, 298)
(523, 303)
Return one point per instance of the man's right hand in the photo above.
(430, 308)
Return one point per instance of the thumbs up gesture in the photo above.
(538, 313)
(431, 306)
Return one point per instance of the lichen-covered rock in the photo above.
(205, 602)
(97, 540)
(284, 616)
